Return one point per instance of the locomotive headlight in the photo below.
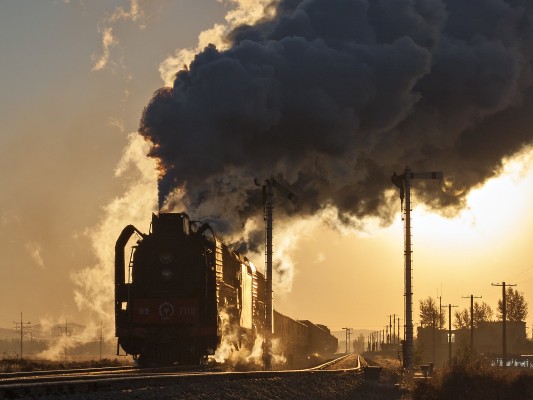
(165, 257)
(166, 273)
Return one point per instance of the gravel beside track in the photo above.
(313, 385)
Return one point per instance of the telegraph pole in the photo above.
(504, 321)
(472, 297)
(24, 328)
(268, 207)
(450, 333)
(403, 182)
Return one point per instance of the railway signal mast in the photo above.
(268, 207)
(403, 182)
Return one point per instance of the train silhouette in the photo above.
(183, 293)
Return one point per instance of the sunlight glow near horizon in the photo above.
(493, 214)
(486, 242)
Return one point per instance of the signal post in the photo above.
(403, 182)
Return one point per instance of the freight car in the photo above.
(302, 343)
(183, 292)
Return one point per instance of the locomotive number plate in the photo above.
(165, 311)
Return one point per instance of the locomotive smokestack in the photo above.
(335, 94)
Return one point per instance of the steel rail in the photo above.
(83, 382)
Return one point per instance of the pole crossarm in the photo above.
(425, 175)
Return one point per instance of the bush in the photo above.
(476, 381)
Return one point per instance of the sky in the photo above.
(75, 77)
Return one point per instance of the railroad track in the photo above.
(68, 382)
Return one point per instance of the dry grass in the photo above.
(13, 364)
(476, 381)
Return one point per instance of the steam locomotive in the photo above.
(186, 292)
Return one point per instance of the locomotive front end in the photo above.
(166, 309)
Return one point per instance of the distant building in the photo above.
(488, 337)
(432, 345)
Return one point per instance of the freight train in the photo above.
(183, 293)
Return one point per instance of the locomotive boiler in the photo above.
(183, 292)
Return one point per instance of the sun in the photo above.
(496, 212)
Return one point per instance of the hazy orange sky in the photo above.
(75, 77)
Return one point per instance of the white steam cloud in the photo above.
(35, 251)
(134, 14)
(94, 284)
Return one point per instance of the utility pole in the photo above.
(399, 341)
(504, 321)
(472, 297)
(24, 328)
(101, 339)
(440, 312)
(268, 207)
(403, 182)
(434, 347)
(346, 329)
(450, 333)
(394, 330)
(390, 329)
(66, 331)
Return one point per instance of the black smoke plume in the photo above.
(333, 96)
